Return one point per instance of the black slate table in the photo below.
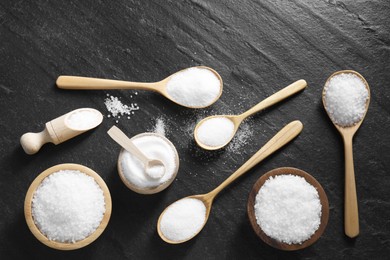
(258, 47)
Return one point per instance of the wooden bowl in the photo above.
(59, 245)
(323, 199)
(149, 190)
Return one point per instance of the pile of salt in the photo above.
(288, 209)
(346, 98)
(215, 132)
(68, 206)
(83, 119)
(194, 87)
(183, 219)
(118, 109)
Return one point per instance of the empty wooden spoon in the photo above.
(351, 216)
(284, 136)
(196, 101)
(155, 169)
(237, 119)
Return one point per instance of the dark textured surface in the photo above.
(258, 47)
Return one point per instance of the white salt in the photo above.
(83, 119)
(156, 171)
(159, 128)
(288, 209)
(68, 206)
(345, 99)
(241, 138)
(154, 147)
(183, 219)
(215, 132)
(194, 87)
(117, 108)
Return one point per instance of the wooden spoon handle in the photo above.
(73, 82)
(277, 97)
(351, 215)
(119, 137)
(284, 136)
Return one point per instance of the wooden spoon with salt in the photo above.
(351, 215)
(74, 82)
(237, 119)
(284, 136)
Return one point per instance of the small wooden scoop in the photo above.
(57, 131)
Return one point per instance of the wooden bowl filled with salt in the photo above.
(67, 206)
(288, 209)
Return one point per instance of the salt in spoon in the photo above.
(351, 215)
(154, 168)
(74, 82)
(237, 119)
(285, 135)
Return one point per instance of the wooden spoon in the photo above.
(154, 168)
(284, 136)
(59, 245)
(351, 215)
(237, 119)
(324, 210)
(73, 82)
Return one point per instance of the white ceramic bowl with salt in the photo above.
(154, 146)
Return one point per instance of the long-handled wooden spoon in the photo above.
(351, 215)
(73, 82)
(237, 119)
(284, 136)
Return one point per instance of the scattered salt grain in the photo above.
(288, 209)
(83, 119)
(117, 108)
(215, 132)
(183, 219)
(241, 138)
(154, 147)
(160, 127)
(345, 99)
(195, 87)
(68, 206)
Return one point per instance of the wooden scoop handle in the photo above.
(32, 142)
